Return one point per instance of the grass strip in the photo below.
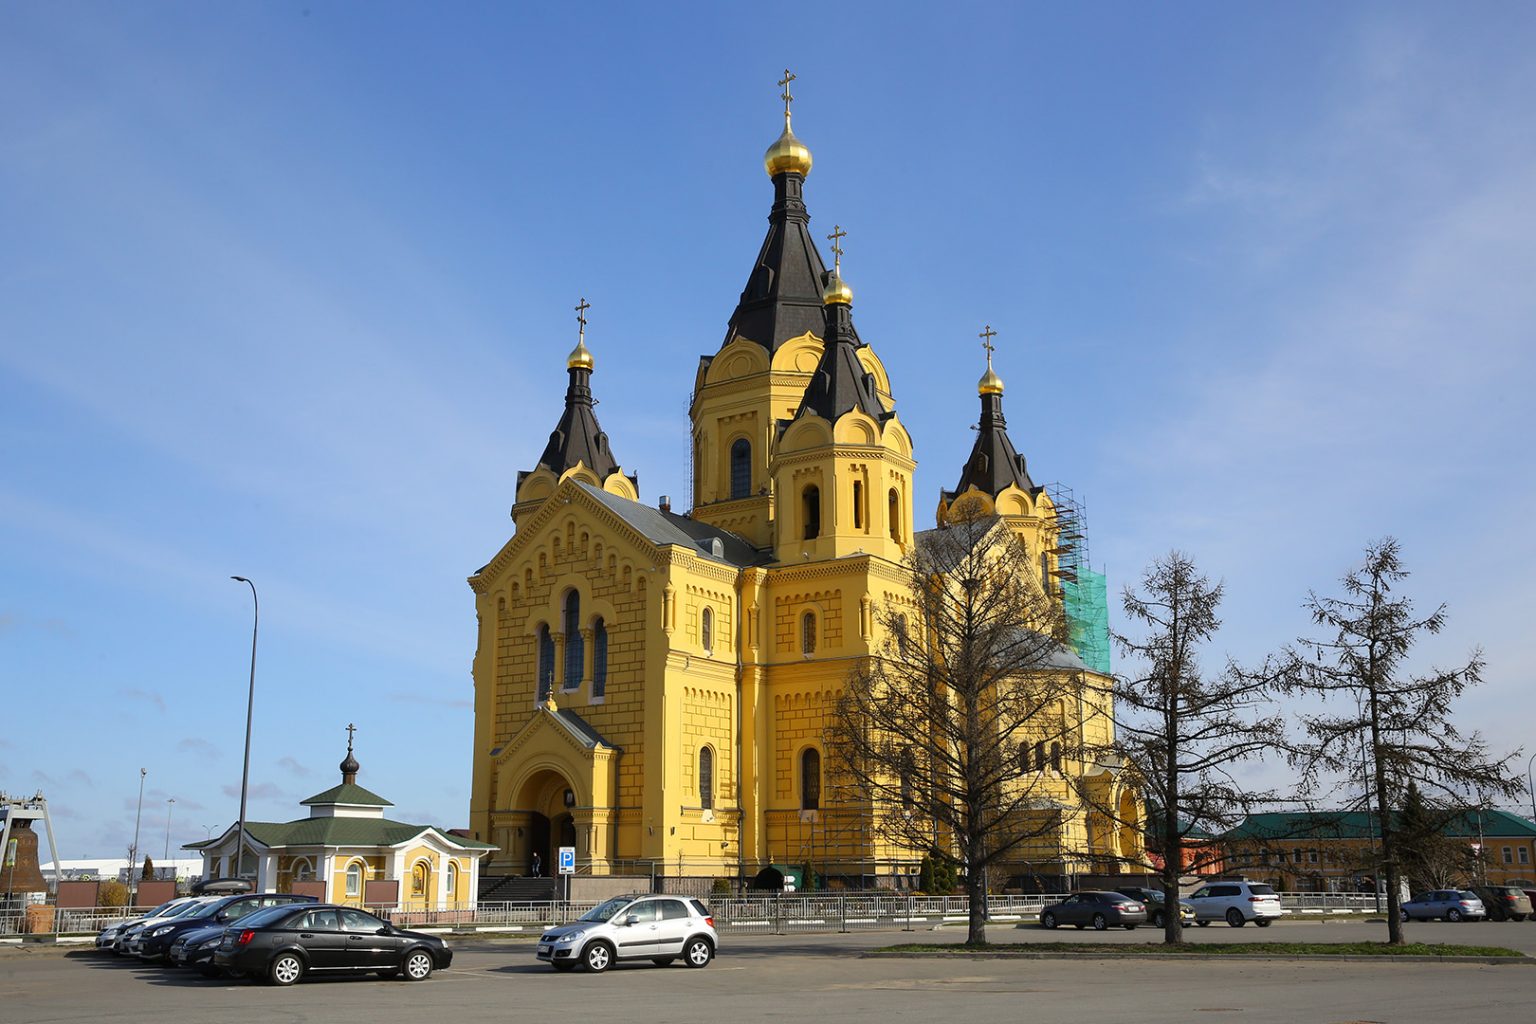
(1213, 949)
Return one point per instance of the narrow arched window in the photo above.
(810, 511)
(1056, 757)
(706, 778)
(908, 768)
(741, 468)
(575, 652)
(707, 630)
(1040, 756)
(810, 779)
(546, 661)
(893, 513)
(808, 633)
(453, 881)
(599, 658)
(421, 876)
(858, 505)
(901, 633)
(1023, 758)
(355, 880)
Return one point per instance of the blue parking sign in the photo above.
(567, 860)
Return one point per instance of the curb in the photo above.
(1491, 961)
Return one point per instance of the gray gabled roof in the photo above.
(662, 528)
(582, 729)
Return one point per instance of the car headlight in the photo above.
(566, 940)
(160, 931)
(210, 943)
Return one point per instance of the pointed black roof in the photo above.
(994, 463)
(578, 437)
(840, 383)
(782, 299)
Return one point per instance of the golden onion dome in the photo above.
(990, 383)
(835, 289)
(787, 154)
(580, 357)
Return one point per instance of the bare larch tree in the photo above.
(1391, 727)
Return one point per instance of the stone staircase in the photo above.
(516, 889)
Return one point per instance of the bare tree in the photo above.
(1180, 731)
(957, 735)
(1392, 727)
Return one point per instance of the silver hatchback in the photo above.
(1450, 904)
(656, 928)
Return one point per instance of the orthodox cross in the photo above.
(785, 95)
(350, 730)
(986, 336)
(837, 235)
(581, 318)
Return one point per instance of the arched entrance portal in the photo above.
(548, 797)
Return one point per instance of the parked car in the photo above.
(155, 942)
(1237, 903)
(108, 935)
(1156, 903)
(1100, 909)
(1504, 902)
(127, 941)
(284, 943)
(1450, 904)
(635, 927)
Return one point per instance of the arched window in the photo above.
(355, 880)
(808, 633)
(908, 768)
(1056, 757)
(707, 630)
(810, 779)
(706, 778)
(901, 633)
(858, 504)
(546, 661)
(893, 513)
(1040, 756)
(575, 652)
(303, 871)
(741, 468)
(810, 511)
(1023, 758)
(453, 881)
(421, 878)
(599, 658)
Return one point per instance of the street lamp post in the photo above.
(138, 816)
(1529, 786)
(250, 704)
(170, 805)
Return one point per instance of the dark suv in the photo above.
(156, 944)
(1504, 902)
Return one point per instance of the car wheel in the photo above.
(598, 957)
(285, 970)
(1048, 920)
(662, 961)
(698, 953)
(1262, 922)
(418, 965)
(564, 965)
(1453, 914)
(1157, 919)
(1100, 922)
(1403, 914)
(1235, 918)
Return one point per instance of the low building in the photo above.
(1336, 851)
(347, 851)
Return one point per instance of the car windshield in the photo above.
(1261, 890)
(1467, 894)
(266, 915)
(605, 910)
(160, 911)
(1117, 897)
(181, 911)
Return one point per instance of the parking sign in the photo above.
(567, 860)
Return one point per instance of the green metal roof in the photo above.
(347, 793)
(342, 832)
(1360, 825)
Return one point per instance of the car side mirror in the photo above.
(632, 919)
(384, 931)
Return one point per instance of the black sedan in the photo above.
(1100, 909)
(282, 944)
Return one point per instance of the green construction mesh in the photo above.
(1087, 606)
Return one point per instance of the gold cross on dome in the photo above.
(785, 95)
(986, 336)
(350, 730)
(581, 318)
(837, 235)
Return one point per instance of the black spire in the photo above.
(994, 463)
(349, 767)
(578, 437)
(782, 299)
(840, 382)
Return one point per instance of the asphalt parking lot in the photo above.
(765, 978)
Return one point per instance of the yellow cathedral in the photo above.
(652, 687)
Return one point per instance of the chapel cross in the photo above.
(837, 235)
(581, 318)
(785, 95)
(986, 336)
(350, 730)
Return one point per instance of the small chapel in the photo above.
(652, 686)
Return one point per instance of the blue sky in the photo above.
(285, 291)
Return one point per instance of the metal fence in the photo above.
(776, 914)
